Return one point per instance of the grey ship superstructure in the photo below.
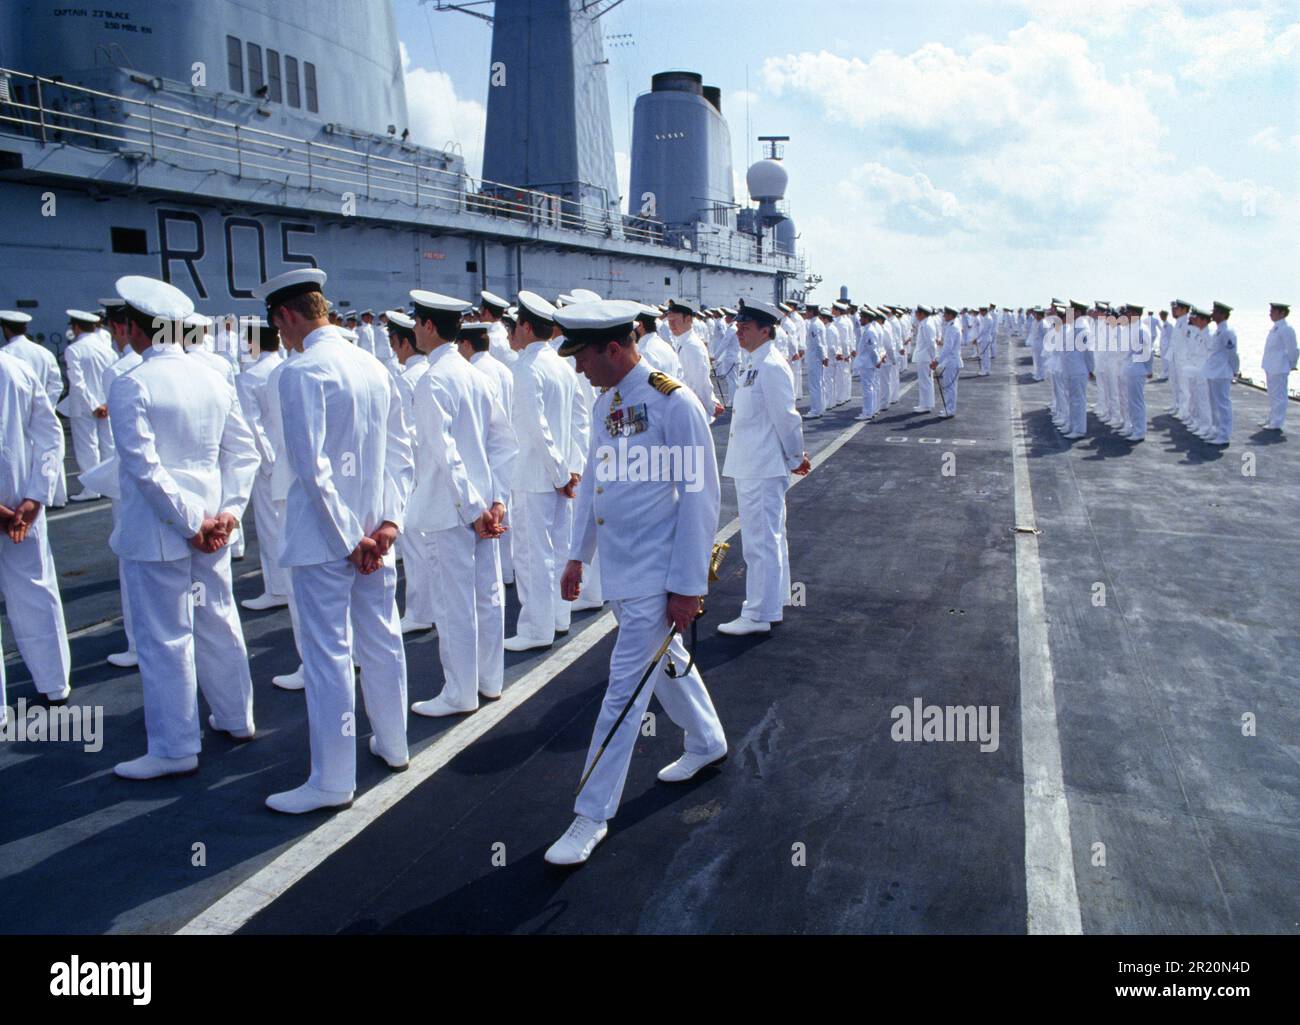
(214, 143)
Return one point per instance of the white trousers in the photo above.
(1220, 400)
(895, 385)
(470, 612)
(986, 358)
(280, 506)
(816, 389)
(275, 578)
(121, 582)
(870, 398)
(1077, 403)
(85, 441)
(767, 551)
(188, 634)
(1135, 386)
(1061, 396)
(30, 587)
(948, 381)
(642, 627)
(1037, 351)
(329, 596)
(1277, 400)
(419, 564)
(924, 387)
(539, 561)
(796, 368)
(845, 379)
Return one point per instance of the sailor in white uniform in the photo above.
(30, 455)
(1280, 358)
(475, 345)
(727, 356)
(1179, 356)
(817, 356)
(347, 445)
(252, 387)
(654, 350)
(693, 354)
(186, 463)
(655, 538)
(462, 488)
(1077, 366)
(491, 310)
(543, 484)
(948, 362)
(1136, 351)
(867, 363)
(419, 572)
(1220, 367)
(985, 340)
(766, 446)
(86, 358)
(923, 358)
(1034, 339)
(127, 360)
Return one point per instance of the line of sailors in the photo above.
(482, 431)
(1072, 342)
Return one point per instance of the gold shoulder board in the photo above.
(663, 384)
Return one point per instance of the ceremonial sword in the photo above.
(715, 563)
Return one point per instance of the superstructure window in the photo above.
(235, 63)
(273, 75)
(291, 81)
(130, 240)
(313, 103)
(255, 77)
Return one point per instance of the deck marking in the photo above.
(67, 514)
(232, 911)
(1051, 895)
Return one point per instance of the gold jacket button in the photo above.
(600, 521)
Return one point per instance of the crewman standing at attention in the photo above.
(30, 456)
(1220, 367)
(766, 446)
(127, 359)
(490, 311)
(870, 356)
(923, 357)
(1035, 341)
(1136, 350)
(1077, 366)
(1179, 345)
(727, 360)
(694, 356)
(985, 339)
(655, 539)
(462, 488)
(542, 483)
(254, 405)
(475, 345)
(1280, 358)
(817, 356)
(348, 447)
(654, 350)
(948, 362)
(420, 574)
(87, 357)
(186, 462)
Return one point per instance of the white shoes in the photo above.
(266, 600)
(576, 845)
(124, 659)
(153, 767)
(240, 734)
(85, 496)
(520, 643)
(296, 680)
(741, 626)
(59, 696)
(307, 798)
(438, 708)
(1074, 437)
(688, 765)
(583, 604)
(396, 764)
(411, 626)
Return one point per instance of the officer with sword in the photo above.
(655, 534)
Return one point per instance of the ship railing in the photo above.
(62, 113)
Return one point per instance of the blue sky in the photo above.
(1117, 149)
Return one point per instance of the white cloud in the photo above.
(440, 118)
(903, 202)
(1269, 139)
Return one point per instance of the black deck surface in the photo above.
(910, 583)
